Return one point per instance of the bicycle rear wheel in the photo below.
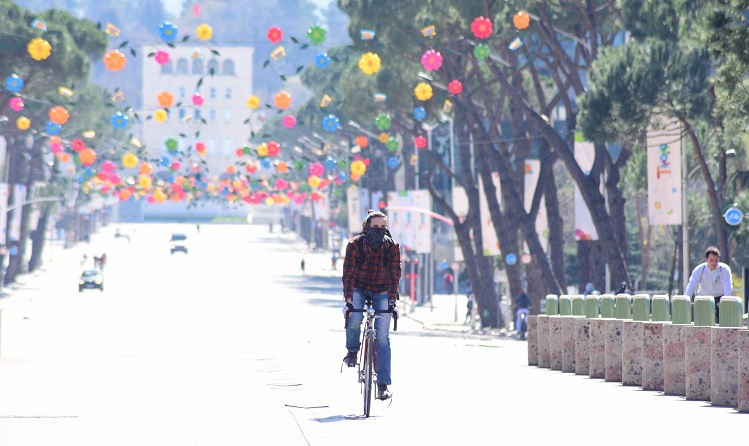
(368, 373)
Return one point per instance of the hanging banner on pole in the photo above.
(3, 213)
(664, 175)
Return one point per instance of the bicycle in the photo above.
(367, 362)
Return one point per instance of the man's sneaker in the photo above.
(350, 359)
(382, 392)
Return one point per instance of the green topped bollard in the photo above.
(641, 307)
(565, 305)
(578, 305)
(607, 306)
(592, 306)
(681, 309)
(731, 312)
(704, 311)
(552, 305)
(623, 309)
(661, 308)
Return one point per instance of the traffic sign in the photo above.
(511, 259)
(733, 216)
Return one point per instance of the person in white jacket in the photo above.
(711, 278)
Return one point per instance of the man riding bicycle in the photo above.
(372, 270)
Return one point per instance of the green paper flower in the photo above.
(171, 145)
(393, 145)
(383, 121)
(481, 51)
(316, 34)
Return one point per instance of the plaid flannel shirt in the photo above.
(373, 274)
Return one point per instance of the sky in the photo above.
(174, 7)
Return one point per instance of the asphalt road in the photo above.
(231, 345)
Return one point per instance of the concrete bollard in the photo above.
(652, 355)
(660, 308)
(544, 349)
(724, 357)
(582, 346)
(632, 340)
(743, 390)
(613, 371)
(533, 340)
(592, 306)
(552, 305)
(697, 353)
(565, 305)
(681, 309)
(578, 305)
(704, 311)
(641, 307)
(568, 344)
(623, 308)
(608, 303)
(674, 346)
(556, 342)
(597, 352)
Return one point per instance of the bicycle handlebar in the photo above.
(391, 312)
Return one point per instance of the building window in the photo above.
(182, 92)
(213, 92)
(182, 66)
(197, 67)
(227, 146)
(228, 67)
(228, 93)
(227, 115)
(167, 68)
(213, 67)
(197, 115)
(210, 147)
(182, 113)
(212, 114)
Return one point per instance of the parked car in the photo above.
(178, 242)
(91, 278)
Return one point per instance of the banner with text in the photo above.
(664, 175)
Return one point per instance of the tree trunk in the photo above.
(38, 239)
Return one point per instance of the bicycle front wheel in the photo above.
(368, 374)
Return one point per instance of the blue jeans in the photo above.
(382, 327)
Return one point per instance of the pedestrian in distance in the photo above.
(469, 311)
(448, 281)
(372, 269)
(623, 289)
(302, 265)
(711, 278)
(522, 307)
(590, 289)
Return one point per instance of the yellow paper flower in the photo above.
(39, 49)
(383, 137)
(369, 63)
(262, 149)
(129, 160)
(204, 32)
(314, 181)
(423, 91)
(253, 102)
(144, 182)
(23, 123)
(358, 168)
(160, 116)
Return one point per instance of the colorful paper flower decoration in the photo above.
(168, 32)
(16, 104)
(119, 120)
(392, 144)
(87, 156)
(331, 123)
(77, 145)
(316, 34)
(369, 63)
(282, 167)
(431, 60)
(455, 87)
(314, 181)
(165, 99)
(58, 115)
(423, 91)
(39, 49)
(367, 34)
(253, 102)
(171, 145)
(262, 149)
(420, 142)
(204, 31)
(481, 27)
(361, 141)
(316, 169)
(393, 162)
(161, 57)
(13, 83)
(23, 123)
(274, 34)
(322, 60)
(197, 99)
(521, 20)
(420, 113)
(383, 121)
(358, 167)
(289, 121)
(200, 148)
(160, 116)
(53, 128)
(481, 51)
(330, 163)
(114, 60)
(383, 137)
(274, 148)
(282, 99)
(515, 44)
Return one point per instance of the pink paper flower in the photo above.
(455, 86)
(481, 27)
(289, 121)
(198, 99)
(431, 60)
(274, 34)
(161, 57)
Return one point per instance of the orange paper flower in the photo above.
(114, 60)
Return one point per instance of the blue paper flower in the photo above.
(330, 163)
(119, 121)
(53, 128)
(393, 162)
(14, 83)
(165, 161)
(168, 32)
(322, 60)
(420, 113)
(265, 163)
(331, 123)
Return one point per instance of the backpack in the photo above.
(361, 256)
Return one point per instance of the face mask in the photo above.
(374, 237)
